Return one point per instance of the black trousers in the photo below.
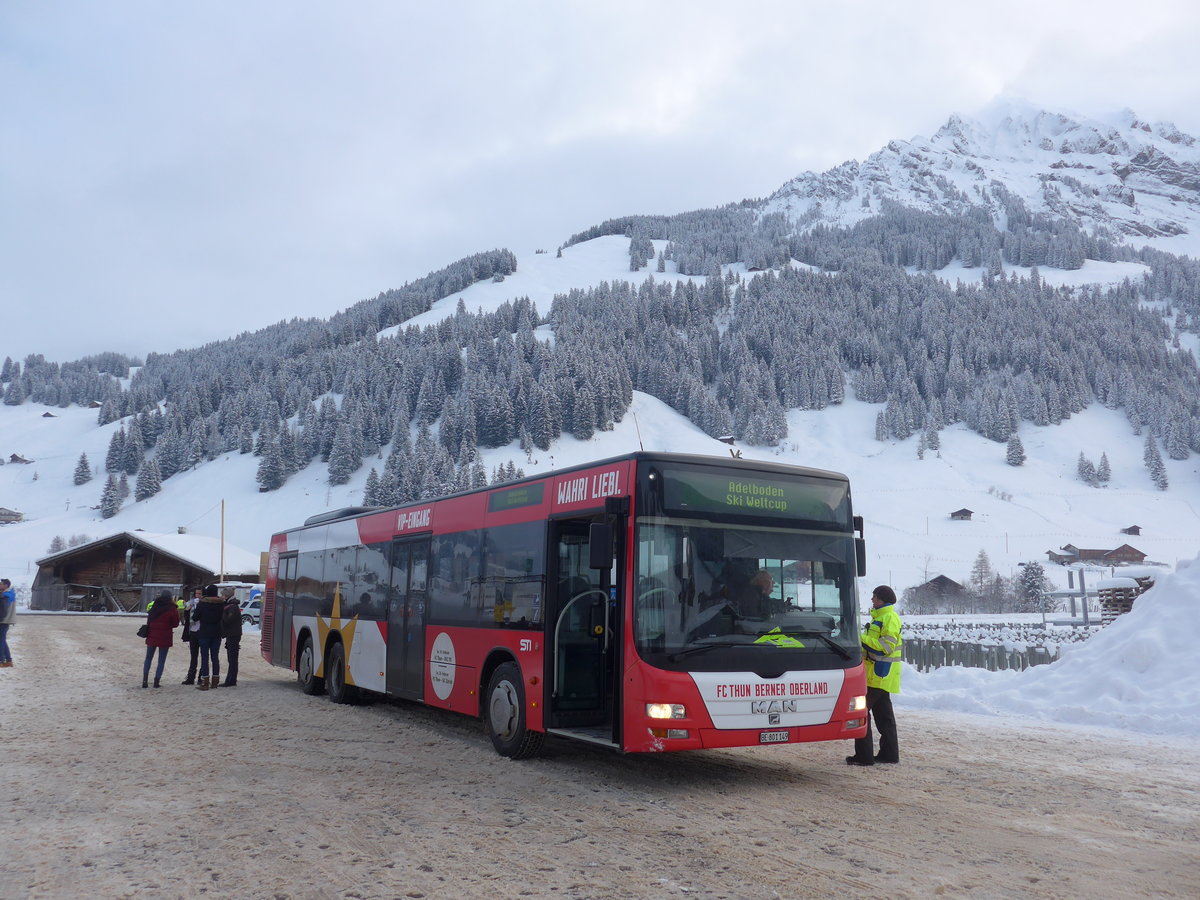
(232, 647)
(879, 710)
(194, 649)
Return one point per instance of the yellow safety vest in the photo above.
(881, 649)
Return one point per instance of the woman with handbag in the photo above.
(161, 620)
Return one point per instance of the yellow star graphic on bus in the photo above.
(335, 623)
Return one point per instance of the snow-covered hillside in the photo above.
(1019, 512)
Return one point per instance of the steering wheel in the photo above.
(650, 593)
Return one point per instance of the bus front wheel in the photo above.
(504, 715)
(306, 670)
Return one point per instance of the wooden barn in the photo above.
(125, 571)
(1069, 553)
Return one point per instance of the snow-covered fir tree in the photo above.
(110, 498)
(149, 481)
(1154, 464)
(1032, 588)
(83, 470)
(1015, 453)
(114, 459)
(1085, 470)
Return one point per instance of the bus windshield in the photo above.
(741, 597)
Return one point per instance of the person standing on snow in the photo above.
(161, 621)
(190, 636)
(208, 614)
(881, 654)
(8, 612)
(231, 630)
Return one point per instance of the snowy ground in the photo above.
(260, 791)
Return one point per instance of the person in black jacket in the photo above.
(231, 630)
(208, 614)
(190, 637)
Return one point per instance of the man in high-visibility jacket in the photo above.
(881, 655)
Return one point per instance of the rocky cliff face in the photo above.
(1128, 177)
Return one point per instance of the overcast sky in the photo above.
(174, 173)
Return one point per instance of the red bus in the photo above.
(650, 602)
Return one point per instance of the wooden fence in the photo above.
(925, 655)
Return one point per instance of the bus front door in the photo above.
(406, 619)
(584, 640)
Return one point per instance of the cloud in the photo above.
(270, 159)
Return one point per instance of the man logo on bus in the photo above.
(772, 706)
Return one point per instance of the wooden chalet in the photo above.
(125, 571)
(940, 587)
(1135, 530)
(8, 516)
(1069, 554)
(962, 515)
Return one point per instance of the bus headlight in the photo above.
(667, 711)
(857, 704)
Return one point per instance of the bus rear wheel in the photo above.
(335, 676)
(504, 715)
(306, 670)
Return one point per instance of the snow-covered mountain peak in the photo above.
(1119, 173)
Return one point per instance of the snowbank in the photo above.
(1138, 674)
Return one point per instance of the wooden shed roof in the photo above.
(195, 550)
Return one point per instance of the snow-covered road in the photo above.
(260, 791)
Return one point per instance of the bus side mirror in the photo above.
(600, 545)
(860, 556)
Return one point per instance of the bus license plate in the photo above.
(772, 737)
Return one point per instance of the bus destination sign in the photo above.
(725, 493)
(515, 498)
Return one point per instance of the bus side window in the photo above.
(454, 572)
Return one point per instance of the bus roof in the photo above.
(750, 465)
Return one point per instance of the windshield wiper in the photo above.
(700, 648)
(826, 640)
